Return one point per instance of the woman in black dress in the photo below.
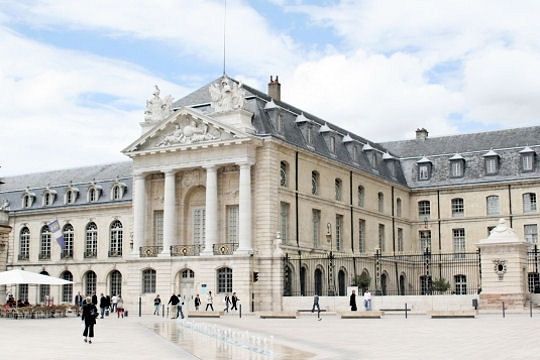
(89, 315)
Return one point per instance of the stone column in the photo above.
(504, 269)
(139, 212)
(244, 211)
(211, 215)
(169, 211)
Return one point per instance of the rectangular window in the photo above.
(199, 226)
(149, 282)
(423, 172)
(492, 165)
(284, 222)
(492, 205)
(534, 282)
(424, 209)
(381, 238)
(339, 232)
(400, 239)
(458, 207)
(362, 235)
(456, 168)
(158, 227)
(23, 292)
(232, 223)
(529, 202)
(527, 162)
(309, 132)
(316, 225)
(425, 240)
(458, 236)
(531, 233)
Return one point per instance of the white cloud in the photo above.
(44, 124)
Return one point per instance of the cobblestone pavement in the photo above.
(392, 337)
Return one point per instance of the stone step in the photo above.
(277, 315)
(362, 315)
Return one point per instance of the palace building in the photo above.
(227, 182)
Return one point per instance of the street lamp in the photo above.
(331, 282)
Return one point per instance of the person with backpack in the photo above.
(89, 315)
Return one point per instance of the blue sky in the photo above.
(75, 75)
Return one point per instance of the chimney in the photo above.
(421, 134)
(274, 88)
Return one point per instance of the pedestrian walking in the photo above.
(114, 301)
(157, 305)
(180, 305)
(367, 300)
(89, 315)
(234, 301)
(173, 306)
(102, 305)
(209, 301)
(227, 301)
(316, 305)
(197, 302)
(94, 299)
(78, 301)
(108, 305)
(120, 307)
(352, 301)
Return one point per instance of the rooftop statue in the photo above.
(227, 96)
(157, 108)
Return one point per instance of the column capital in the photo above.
(245, 163)
(169, 172)
(139, 176)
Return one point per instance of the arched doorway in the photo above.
(115, 283)
(186, 284)
(90, 282)
(303, 272)
(402, 284)
(384, 283)
(342, 286)
(318, 280)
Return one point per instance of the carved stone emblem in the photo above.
(157, 108)
(499, 266)
(190, 133)
(227, 96)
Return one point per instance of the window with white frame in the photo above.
(283, 174)
(380, 202)
(361, 196)
(116, 239)
(458, 236)
(71, 196)
(529, 202)
(67, 290)
(69, 234)
(316, 226)
(45, 246)
(460, 282)
(333, 144)
(284, 221)
(48, 198)
(398, 207)
(456, 168)
(149, 281)
(425, 240)
(458, 207)
(362, 235)
(424, 172)
(400, 239)
(90, 248)
(24, 244)
(354, 151)
(116, 192)
(231, 212)
(531, 233)
(27, 201)
(92, 194)
(198, 225)
(90, 280)
(424, 209)
(314, 183)
(339, 189)
(492, 165)
(527, 161)
(44, 291)
(339, 232)
(492, 205)
(23, 292)
(382, 242)
(224, 280)
(309, 134)
(115, 283)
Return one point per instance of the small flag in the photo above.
(54, 228)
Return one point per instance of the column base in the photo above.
(241, 251)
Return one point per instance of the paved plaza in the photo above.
(392, 337)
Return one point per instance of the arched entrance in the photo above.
(342, 286)
(186, 284)
(402, 284)
(384, 284)
(115, 283)
(318, 279)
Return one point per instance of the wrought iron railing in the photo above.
(90, 254)
(150, 251)
(225, 248)
(533, 276)
(44, 256)
(23, 257)
(185, 250)
(66, 254)
(115, 253)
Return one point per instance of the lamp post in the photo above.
(331, 281)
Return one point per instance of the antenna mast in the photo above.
(224, 32)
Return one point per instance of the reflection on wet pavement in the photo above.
(219, 345)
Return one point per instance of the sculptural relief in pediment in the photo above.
(188, 130)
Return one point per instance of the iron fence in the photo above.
(150, 251)
(412, 274)
(225, 248)
(533, 274)
(185, 250)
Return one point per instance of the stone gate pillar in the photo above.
(504, 268)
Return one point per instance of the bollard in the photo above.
(163, 310)
(405, 310)
(140, 303)
(530, 307)
(503, 309)
(240, 310)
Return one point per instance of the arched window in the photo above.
(492, 205)
(90, 280)
(398, 207)
(68, 232)
(116, 237)
(461, 284)
(45, 244)
(44, 291)
(91, 241)
(24, 244)
(67, 290)
(318, 281)
(402, 280)
(287, 281)
(115, 283)
(148, 281)
(380, 197)
(284, 174)
(71, 196)
(339, 189)
(48, 197)
(314, 183)
(188, 274)
(93, 193)
(27, 201)
(224, 280)
(116, 192)
(361, 196)
(384, 283)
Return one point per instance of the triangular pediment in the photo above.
(186, 127)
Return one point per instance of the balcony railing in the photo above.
(66, 254)
(150, 251)
(44, 256)
(225, 248)
(115, 253)
(90, 254)
(185, 250)
(23, 256)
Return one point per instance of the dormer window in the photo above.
(491, 162)
(333, 144)
(94, 192)
(48, 197)
(370, 154)
(457, 166)
(329, 138)
(527, 159)
(70, 197)
(309, 134)
(28, 199)
(391, 162)
(279, 123)
(118, 190)
(424, 169)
